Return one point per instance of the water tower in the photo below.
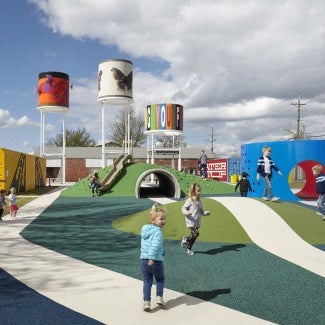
(53, 97)
(114, 88)
(164, 120)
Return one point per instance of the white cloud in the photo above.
(234, 65)
(7, 121)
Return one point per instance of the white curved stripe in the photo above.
(109, 297)
(269, 231)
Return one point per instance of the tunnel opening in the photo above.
(157, 183)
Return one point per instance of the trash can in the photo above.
(233, 178)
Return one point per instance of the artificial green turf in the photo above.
(221, 226)
(243, 277)
(126, 182)
(303, 220)
(82, 187)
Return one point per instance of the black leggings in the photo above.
(192, 238)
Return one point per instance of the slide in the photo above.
(112, 175)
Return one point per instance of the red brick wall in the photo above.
(75, 168)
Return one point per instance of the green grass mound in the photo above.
(221, 226)
(126, 182)
(82, 188)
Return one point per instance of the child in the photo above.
(265, 165)
(13, 208)
(192, 209)
(320, 188)
(2, 202)
(244, 185)
(95, 184)
(152, 256)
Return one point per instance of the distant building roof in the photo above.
(113, 151)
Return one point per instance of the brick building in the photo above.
(81, 161)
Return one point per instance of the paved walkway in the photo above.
(106, 296)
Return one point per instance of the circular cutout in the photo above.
(302, 181)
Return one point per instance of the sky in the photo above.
(237, 67)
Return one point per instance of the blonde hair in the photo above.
(266, 148)
(192, 191)
(155, 211)
(317, 168)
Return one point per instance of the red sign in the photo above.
(218, 169)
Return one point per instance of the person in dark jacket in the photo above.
(265, 164)
(320, 188)
(244, 185)
(203, 159)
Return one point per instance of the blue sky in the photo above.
(232, 69)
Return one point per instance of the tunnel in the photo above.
(164, 184)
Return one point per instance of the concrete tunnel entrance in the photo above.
(164, 184)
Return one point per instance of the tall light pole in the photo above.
(298, 105)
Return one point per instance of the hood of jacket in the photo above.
(148, 230)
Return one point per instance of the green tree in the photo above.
(73, 138)
(119, 128)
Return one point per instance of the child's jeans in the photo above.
(148, 272)
(321, 204)
(268, 187)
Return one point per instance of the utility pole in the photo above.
(212, 139)
(298, 105)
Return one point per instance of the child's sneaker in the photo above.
(189, 252)
(146, 306)
(184, 242)
(275, 199)
(265, 198)
(160, 301)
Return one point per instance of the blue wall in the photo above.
(286, 155)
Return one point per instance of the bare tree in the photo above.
(136, 127)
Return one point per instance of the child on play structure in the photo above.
(320, 188)
(152, 256)
(95, 184)
(244, 185)
(192, 209)
(2, 202)
(265, 164)
(13, 207)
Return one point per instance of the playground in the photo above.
(70, 258)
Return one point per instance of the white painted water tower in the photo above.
(115, 77)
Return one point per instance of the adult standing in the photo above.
(203, 164)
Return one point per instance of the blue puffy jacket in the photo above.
(152, 240)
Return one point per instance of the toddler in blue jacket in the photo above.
(152, 256)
